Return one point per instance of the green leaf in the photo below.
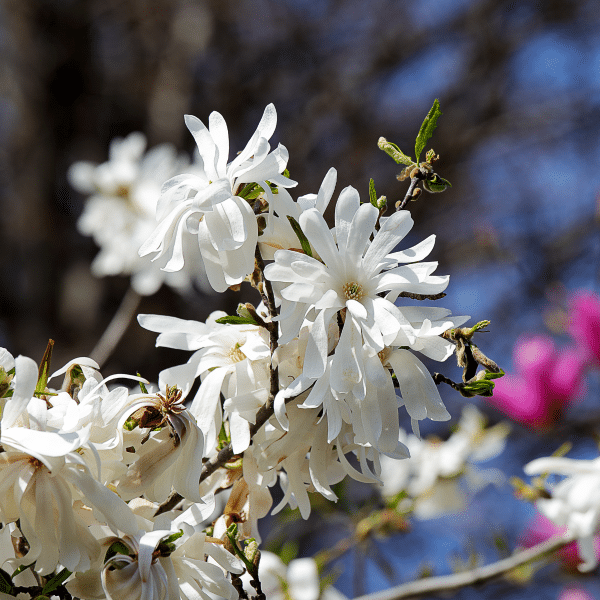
(44, 369)
(392, 150)
(372, 194)
(6, 584)
(426, 131)
(21, 569)
(300, 235)
(56, 581)
(233, 320)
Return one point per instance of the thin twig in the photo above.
(447, 583)
(409, 193)
(117, 327)
(268, 297)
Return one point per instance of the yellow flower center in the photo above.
(353, 291)
(236, 355)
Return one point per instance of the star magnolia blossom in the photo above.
(575, 501)
(351, 280)
(171, 457)
(120, 211)
(206, 205)
(41, 476)
(231, 359)
(353, 274)
(164, 560)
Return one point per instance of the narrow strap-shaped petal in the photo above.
(220, 136)
(393, 231)
(316, 230)
(345, 209)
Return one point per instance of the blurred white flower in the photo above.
(575, 501)
(430, 476)
(120, 211)
(207, 205)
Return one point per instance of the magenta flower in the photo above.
(547, 381)
(584, 325)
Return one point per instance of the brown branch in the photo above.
(421, 296)
(447, 583)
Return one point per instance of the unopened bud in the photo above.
(252, 553)
(415, 195)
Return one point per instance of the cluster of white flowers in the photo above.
(67, 466)
(301, 391)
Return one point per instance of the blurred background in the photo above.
(519, 138)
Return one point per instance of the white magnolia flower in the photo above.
(120, 212)
(575, 501)
(170, 457)
(352, 275)
(232, 360)
(41, 476)
(164, 560)
(207, 206)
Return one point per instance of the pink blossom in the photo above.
(571, 593)
(584, 325)
(541, 528)
(547, 381)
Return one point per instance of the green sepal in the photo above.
(426, 131)
(235, 320)
(482, 386)
(232, 534)
(372, 194)
(44, 369)
(250, 191)
(304, 243)
(6, 584)
(142, 386)
(166, 547)
(117, 547)
(56, 581)
(21, 568)
(130, 424)
(392, 150)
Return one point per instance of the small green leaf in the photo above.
(436, 184)
(392, 150)
(372, 194)
(44, 369)
(426, 131)
(233, 320)
(300, 235)
(56, 581)
(171, 538)
(6, 584)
